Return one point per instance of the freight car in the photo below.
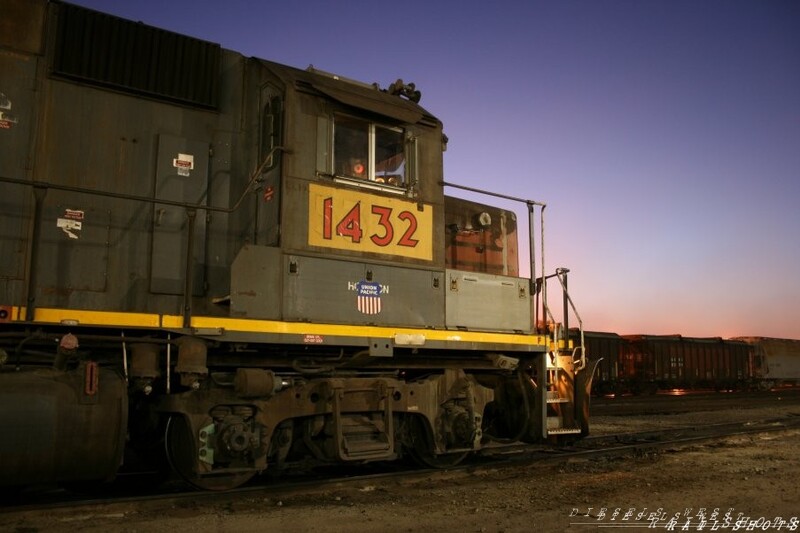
(639, 364)
(248, 266)
(775, 362)
(645, 364)
(606, 349)
(662, 362)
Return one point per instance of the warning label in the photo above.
(184, 163)
(6, 118)
(71, 222)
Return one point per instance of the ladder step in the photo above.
(564, 431)
(554, 427)
(553, 397)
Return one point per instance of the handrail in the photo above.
(531, 205)
(40, 189)
(561, 274)
(146, 199)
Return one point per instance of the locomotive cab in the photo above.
(366, 235)
(351, 230)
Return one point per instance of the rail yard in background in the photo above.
(641, 364)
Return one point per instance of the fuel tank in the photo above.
(61, 425)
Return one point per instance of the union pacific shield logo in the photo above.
(369, 297)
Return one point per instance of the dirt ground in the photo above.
(744, 480)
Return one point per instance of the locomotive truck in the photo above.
(239, 266)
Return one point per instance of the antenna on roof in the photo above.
(408, 90)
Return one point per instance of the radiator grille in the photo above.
(109, 51)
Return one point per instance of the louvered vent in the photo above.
(113, 52)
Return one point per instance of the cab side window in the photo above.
(390, 156)
(271, 128)
(366, 151)
(351, 147)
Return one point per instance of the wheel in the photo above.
(422, 450)
(181, 452)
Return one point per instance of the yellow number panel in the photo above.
(351, 220)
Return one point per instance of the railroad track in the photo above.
(632, 442)
(685, 402)
(500, 457)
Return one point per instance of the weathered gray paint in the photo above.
(487, 302)
(17, 97)
(99, 139)
(323, 290)
(168, 258)
(256, 283)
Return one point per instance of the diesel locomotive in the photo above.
(230, 266)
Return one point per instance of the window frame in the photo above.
(370, 181)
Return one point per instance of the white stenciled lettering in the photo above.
(373, 289)
(688, 519)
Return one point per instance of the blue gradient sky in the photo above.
(663, 135)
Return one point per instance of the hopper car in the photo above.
(774, 362)
(645, 364)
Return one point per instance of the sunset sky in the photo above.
(664, 136)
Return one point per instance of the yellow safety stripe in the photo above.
(153, 320)
(89, 318)
(307, 328)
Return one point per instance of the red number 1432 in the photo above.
(350, 225)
